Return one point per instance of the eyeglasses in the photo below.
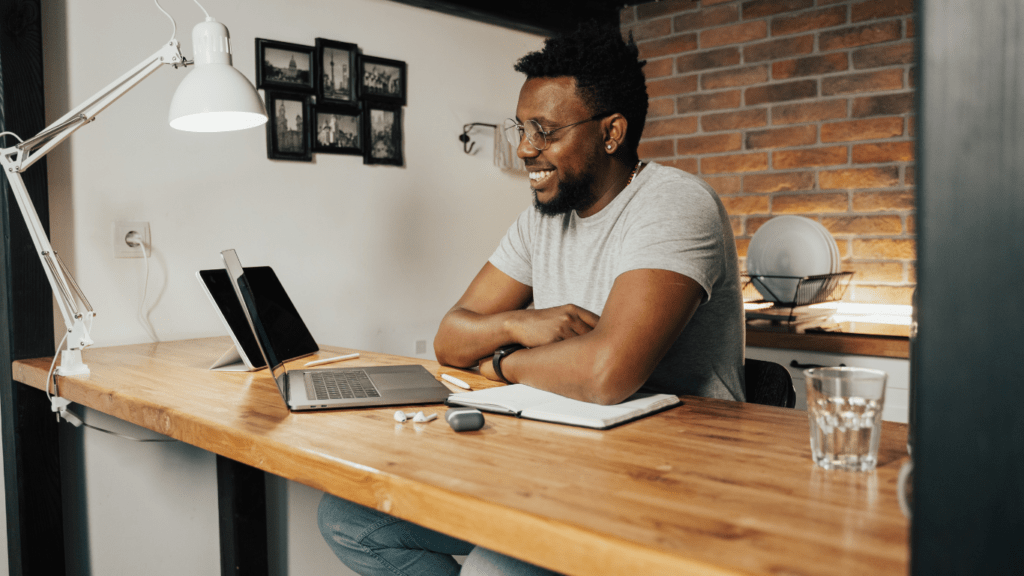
(535, 133)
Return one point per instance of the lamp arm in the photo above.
(74, 307)
(32, 149)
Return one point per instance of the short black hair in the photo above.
(607, 69)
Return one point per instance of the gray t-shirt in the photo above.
(665, 219)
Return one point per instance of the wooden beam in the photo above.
(542, 17)
(35, 542)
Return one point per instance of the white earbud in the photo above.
(419, 417)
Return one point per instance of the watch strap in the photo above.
(499, 354)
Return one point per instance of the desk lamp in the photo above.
(214, 97)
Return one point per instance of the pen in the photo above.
(455, 381)
(335, 359)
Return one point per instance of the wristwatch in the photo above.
(501, 353)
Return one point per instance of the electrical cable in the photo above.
(203, 9)
(119, 435)
(50, 373)
(60, 405)
(2, 134)
(174, 25)
(134, 240)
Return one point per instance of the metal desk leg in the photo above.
(242, 496)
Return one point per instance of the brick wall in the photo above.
(792, 107)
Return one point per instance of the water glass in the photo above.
(844, 406)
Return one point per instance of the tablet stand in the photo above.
(231, 361)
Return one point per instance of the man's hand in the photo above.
(533, 328)
(487, 369)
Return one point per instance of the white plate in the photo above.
(789, 246)
(836, 259)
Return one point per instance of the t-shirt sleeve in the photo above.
(679, 228)
(513, 255)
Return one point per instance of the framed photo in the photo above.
(288, 126)
(335, 72)
(382, 80)
(338, 130)
(382, 129)
(284, 66)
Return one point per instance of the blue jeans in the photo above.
(373, 543)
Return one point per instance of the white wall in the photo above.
(372, 256)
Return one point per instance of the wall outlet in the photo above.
(421, 347)
(121, 247)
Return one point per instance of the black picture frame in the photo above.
(382, 134)
(289, 139)
(284, 66)
(382, 80)
(338, 130)
(336, 66)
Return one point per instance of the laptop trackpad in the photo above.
(398, 381)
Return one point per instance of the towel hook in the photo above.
(467, 143)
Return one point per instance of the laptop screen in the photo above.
(252, 314)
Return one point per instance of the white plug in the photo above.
(134, 239)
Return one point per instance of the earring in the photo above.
(609, 146)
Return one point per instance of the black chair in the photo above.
(769, 383)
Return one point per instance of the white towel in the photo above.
(505, 156)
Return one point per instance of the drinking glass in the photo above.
(844, 407)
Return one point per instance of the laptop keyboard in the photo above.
(323, 385)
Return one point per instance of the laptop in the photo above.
(328, 388)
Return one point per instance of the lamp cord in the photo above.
(50, 372)
(174, 25)
(203, 9)
(60, 405)
(2, 134)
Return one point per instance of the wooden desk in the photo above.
(710, 487)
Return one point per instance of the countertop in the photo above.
(849, 338)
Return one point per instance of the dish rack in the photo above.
(810, 290)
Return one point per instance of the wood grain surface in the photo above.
(708, 487)
(832, 342)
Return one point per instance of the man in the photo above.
(631, 269)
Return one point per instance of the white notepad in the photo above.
(528, 402)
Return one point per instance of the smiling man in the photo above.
(622, 276)
(631, 267)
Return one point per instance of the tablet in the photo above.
(281, 317)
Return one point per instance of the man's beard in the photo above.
(574, 193)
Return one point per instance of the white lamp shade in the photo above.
(214, 96)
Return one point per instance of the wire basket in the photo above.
(782, 292)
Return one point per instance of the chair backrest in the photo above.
(768, 383)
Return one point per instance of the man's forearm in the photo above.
(465, 337)
(583, 368)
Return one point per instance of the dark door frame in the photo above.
(968, 431)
